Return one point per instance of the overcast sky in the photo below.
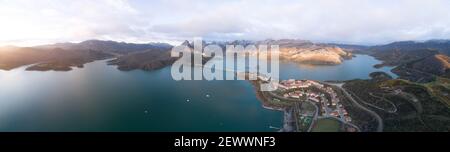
(31, 22)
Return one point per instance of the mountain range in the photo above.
(417, 61)
(429, 57)
(63, 56)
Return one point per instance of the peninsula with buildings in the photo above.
(308, 106)
(374, 105)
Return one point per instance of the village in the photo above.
(324, 100)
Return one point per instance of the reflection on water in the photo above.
(358, 67)
(101, 98)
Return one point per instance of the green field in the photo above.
(327, 125)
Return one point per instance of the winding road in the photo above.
(349, 96)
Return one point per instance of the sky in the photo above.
(31, 22)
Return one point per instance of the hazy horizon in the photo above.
(174, 43)
(362, 22)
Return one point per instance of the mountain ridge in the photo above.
(63, 56)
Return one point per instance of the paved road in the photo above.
(377, 117)
(289, 122)
(316, 115)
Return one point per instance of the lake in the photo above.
(99, 97)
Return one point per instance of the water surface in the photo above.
(99, 97)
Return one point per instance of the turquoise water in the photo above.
(99, 97)
(359, 67)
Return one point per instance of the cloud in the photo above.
(350, 21)
(48, 21)
(354, 21)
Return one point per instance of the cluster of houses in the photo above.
(332, 106)
(327, 98)
(294, 84)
